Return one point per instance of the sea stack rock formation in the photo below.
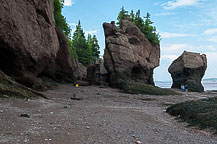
(189, 69)
(128, 54)
(31, 45)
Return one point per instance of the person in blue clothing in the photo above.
(183, 88)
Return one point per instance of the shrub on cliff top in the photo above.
(145, 27)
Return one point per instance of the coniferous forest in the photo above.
(85, 49)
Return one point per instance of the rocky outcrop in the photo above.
(9, 88)
(81, 72)
(189, 69)
(129, 54)
(97, 74)
(31, 45)
(65, 66)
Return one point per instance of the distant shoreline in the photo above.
(208, 85)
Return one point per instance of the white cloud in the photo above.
(176, 47)
(173, 35)
(170, 57)
(72, 24)
(164, 14)
(211, 57)
(210, 31)
(179, 3)
(72, 31)
(158, 3)
(213, 39)
(91, 32)
(211, 47)
(68, 2)
(211, 64)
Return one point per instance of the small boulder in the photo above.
(25, 115)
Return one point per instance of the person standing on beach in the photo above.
(183, 88)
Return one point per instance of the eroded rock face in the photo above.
(30, 44)
(128, 54)
(9, 88)
(189, 69)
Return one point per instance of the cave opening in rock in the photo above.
(7, 59)
(137, 74)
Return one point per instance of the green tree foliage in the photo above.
(87, 50)
(145, 26)
(60, 19)
(150, 31)
(80, 45)
(72, 49)
(132, 16)
(122, 15)
(93, 46)
(61, 23)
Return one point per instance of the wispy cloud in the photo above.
(170, 57)
(211, 56)
(211, 62)
(176, 47)
(210, 31)
(211, 47)
(179, 3)
(72, 31)
(213, 39)
(92, 32)
(73, 28)
(69, 2)
(158, 3)
(174, 35)
(72, 24)
(164, 14)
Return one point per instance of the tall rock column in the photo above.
(189, 69)
(128, 54)
(30, 44)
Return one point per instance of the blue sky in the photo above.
(189, 25)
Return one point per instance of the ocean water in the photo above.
(206, 85)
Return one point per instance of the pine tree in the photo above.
(72, 49)
(94, 47)
(60, 19)
(61, 23)
(122, 15)
(138, 20)
(132, 16)
(150, 31)
(80, 45)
